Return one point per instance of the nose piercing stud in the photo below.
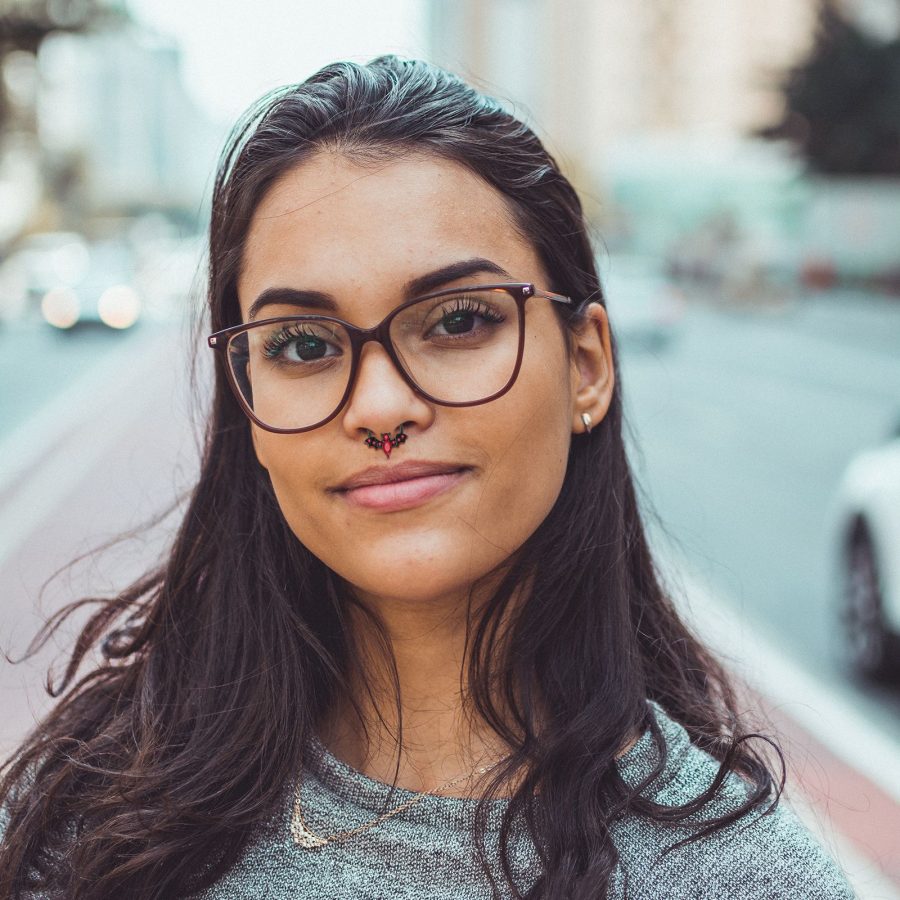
(386, 442)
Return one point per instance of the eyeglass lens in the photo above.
(458, 348)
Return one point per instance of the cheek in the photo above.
(291, 470)
(529, 460)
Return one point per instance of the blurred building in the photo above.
(114, 121)
(99, 126)
(589, 72)
(649, 106)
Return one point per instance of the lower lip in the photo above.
(403, 494)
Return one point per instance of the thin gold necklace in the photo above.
(304, 837)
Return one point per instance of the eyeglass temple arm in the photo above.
(556, 298)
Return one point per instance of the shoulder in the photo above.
(767, 853)
(769, 857)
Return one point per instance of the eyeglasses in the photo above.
(454, 347)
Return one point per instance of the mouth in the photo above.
(400, 487)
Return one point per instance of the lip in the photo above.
(404, 486)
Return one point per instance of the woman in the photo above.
(409, 640)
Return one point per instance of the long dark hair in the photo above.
(152, 771)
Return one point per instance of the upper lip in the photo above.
(402, 472)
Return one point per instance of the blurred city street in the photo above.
(744, 426)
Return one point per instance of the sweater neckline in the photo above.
(349, 786)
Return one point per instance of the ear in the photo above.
(593, 374)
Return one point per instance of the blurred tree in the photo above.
(25, 23)
(842, 103)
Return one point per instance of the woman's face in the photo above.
(360, 235)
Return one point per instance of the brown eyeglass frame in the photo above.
(519, 291)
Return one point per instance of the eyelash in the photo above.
(466, 304)
(277, 342)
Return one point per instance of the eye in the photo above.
(300, 343)
(465, 315)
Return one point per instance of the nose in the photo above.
(381, 399)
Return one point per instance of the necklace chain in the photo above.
(304, 837)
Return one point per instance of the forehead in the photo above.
(360, 232)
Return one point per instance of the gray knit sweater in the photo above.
(427, 851)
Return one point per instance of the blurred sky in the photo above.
(234, 51)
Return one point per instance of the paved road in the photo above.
(37, 362)
(741, 432)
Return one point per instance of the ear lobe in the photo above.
(593, 372)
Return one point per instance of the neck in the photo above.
(441, 737)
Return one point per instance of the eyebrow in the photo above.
(423, 284)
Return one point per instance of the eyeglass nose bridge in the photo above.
(379, 334)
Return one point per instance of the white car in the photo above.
(866, 534)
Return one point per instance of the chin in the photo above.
(411, 571)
